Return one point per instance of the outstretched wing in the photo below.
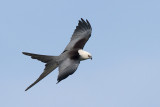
(80, 36)
(66, 68)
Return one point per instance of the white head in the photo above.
(84, 55)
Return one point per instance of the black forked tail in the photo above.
(51, 64)
(42, 58)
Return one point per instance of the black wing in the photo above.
(80, 36)
(66, 68)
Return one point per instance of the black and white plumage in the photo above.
(69, 60)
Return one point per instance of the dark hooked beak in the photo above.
(91, 57)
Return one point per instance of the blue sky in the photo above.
(125, 46)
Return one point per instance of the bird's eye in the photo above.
(89, 56)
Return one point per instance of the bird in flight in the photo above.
(69, 60)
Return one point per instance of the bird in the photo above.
(69, 60)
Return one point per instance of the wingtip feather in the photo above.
(83, 24)
(82, 19)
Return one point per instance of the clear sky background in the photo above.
(125, 45)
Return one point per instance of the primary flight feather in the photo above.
(70, 58)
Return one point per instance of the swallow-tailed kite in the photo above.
(70, 58)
